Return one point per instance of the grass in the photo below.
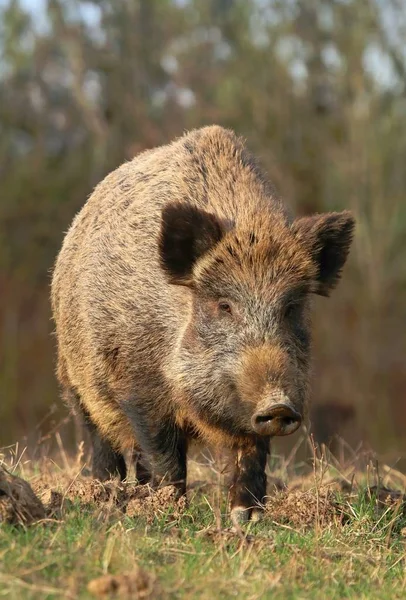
(196, 554)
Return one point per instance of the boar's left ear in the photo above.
(328, 237)
(187, 233)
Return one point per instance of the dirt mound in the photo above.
(50, 495)
(298, 505)
(58, 491)
(303, 509)
(136, 584)
(18, 503)
(92, 491)
(134, 500)
(150, 504)
(50, 480)
(53, 502)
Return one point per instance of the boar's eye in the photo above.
(225, 307)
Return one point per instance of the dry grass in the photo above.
(330, 531)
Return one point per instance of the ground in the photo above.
(334, 533)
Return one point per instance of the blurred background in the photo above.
(317, 87)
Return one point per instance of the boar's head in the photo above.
(243, 353)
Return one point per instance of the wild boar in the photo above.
(181, 298)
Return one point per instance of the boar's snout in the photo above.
(276, 418)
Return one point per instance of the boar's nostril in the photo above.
(268, 418)
(279, 419)
(263, 418)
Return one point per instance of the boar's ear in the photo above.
(328, 237)
(186, 234)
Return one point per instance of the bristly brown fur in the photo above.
(181, 298)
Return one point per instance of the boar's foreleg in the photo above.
(106, 462)
(249, 486)
(142, 468)
(163, 447)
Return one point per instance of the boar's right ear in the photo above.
(186, 234)
(328, 238)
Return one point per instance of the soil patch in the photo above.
(134, 500)
(52, 493)
(161, 502)
(136, 584)
(18, 503)
(303, 509)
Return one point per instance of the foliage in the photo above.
(317, 87)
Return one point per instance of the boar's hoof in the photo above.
(257, 514)
(242, 514)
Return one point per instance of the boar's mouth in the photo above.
(276, 419)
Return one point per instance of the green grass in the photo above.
(365, 558)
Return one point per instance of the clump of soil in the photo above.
(84, 489)
(51, 494)
(136, 584)
(50, 480)
(18, 503)
(58, 494)
(229, 535)
(92, 491)
(134, 500)
(149, 504)
(53, 502)
(303, 508)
